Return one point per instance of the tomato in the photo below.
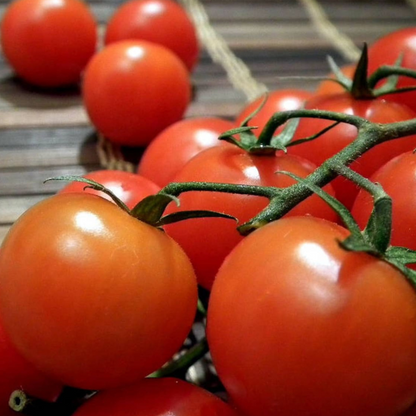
(17, 373)
(37, 39)
(398, 179)
(328, 86)
(132, 90)
(330, 143)
(160, 21)
(279, 100)
(207, 241)
(107, 299)
(387, 50)
(177, 144)
(129, 187)
(154, 397)
(298, 326)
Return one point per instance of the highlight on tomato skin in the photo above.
(37, 39)
(134, 89)
(178, 143)
(207, 241)
(130, 187)
(164, 22)
(107, 299)
(154, 397)
(316, 330)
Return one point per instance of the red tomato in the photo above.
(160, 21)
(155, 397)
(398, 179)
(48, 43)
(132, 90)
(129, 187)
(17, 373)
(387, 50)
(107, 299)
(330, 143)
(207, 241)
(177, 144)
(298, 326)
(280, 100)
(331, 87)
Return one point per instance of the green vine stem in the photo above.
(283, 200)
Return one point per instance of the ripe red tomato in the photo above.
(387, 50)
(280, 100)
(129, 187)
(322, 148)
(207, 241)
(177, 144)
(48, 43)
(17, 373)
(132, 90)
(160, 21)
(154, 397)
(107, 299)
(398, 179)
(298, 326)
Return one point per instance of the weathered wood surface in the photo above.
(46, 134)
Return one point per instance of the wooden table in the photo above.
(47, 134)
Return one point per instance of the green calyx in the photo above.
(363, 86)
(149, 210)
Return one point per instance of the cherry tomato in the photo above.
(160, 21)
(298, 326)
(398, 179)
(129, 187)
(322, 148)
(207, 241)
(132, 90)
(154, 397)
(280, 100)
(17, 373)
(177, 144)
(107, 299)
(386, 51)
(328, 86)
(48, 42)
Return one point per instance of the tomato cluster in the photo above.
(102, 283)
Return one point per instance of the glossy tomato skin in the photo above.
(131, 188)
(386, 51)
(154, 397)
(107, 299)
(398, 179)
(17, 373)
(37, 39)
(330, 143)
(297, 325)
(207, 241)
(132, 90)
(160, 21)
(279, 100)
(178, 143)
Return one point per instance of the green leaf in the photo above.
(378, 229)
(151, 208)
(186, 215)
(340, 77)
(360, 88)
(401, 254)
(280, 141)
